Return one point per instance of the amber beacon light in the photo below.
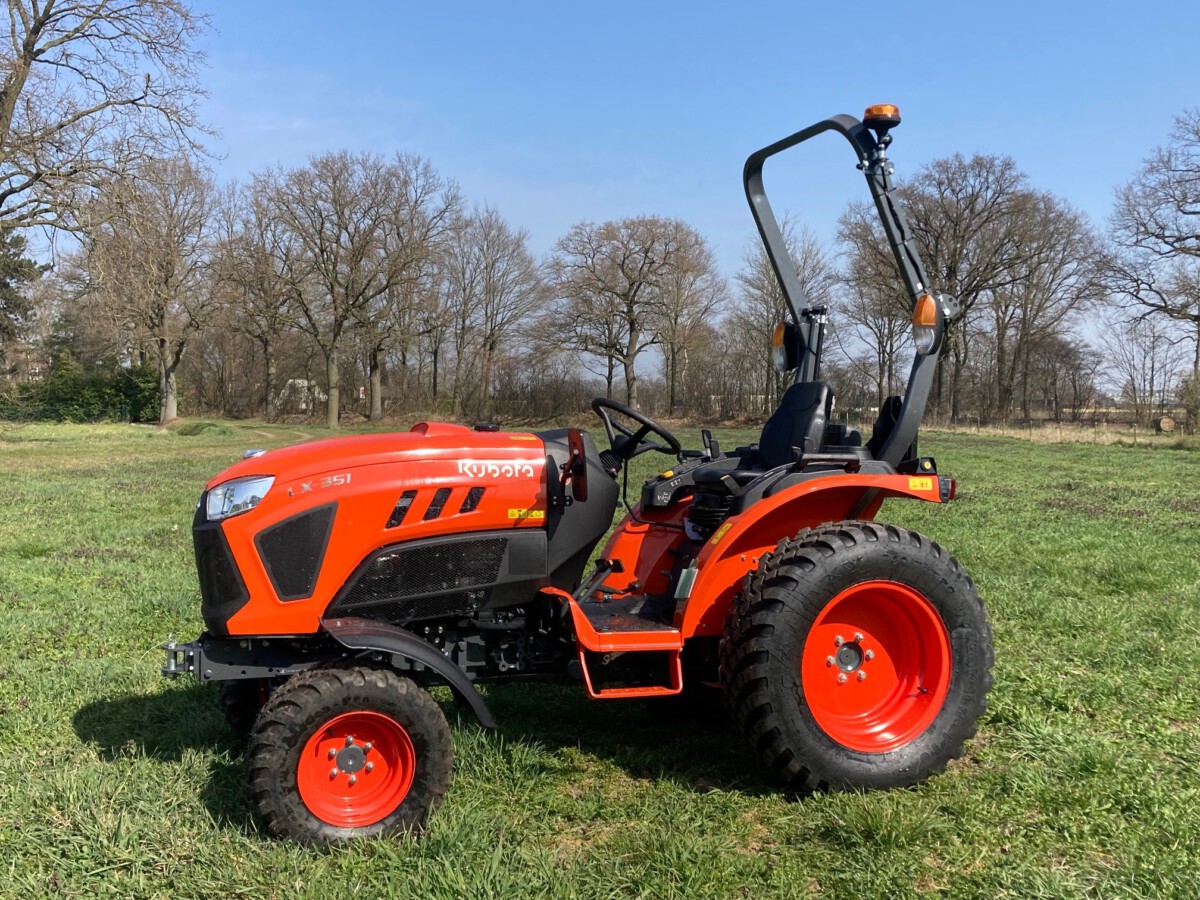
(881, 116)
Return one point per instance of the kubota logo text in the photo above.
(494, 468)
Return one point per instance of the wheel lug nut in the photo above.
(367, 747)
(332, 753)
(870, 654)
(842, 678)
(862, 676)
(838, 641)
(349, 740)
(333, 773)
(858, 637)
(353, 780)
(829, 660)
(370, 767)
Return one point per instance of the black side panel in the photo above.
(445, 576)
(292, 551)
(222, 590)
(575, 530)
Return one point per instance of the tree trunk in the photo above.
(485, 378)
(630, 383)
(331, 373)
(376, 384)
(269, 382)
(168, 397)
(608, 378)
(672, 363)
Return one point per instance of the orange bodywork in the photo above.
(736, 547)
(365, 475)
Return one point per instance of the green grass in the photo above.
(1084, 781)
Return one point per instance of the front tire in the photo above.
(857, 656)
(344, 753)
(241, 702)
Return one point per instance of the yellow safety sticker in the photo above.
(527, 514)
(522, 437)
(716, 538)
(920, 484)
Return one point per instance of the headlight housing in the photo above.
(237, 496)
(929, 322)
(783, 347)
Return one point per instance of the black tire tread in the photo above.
(744, 661)
(306, 701)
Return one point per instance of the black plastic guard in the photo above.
(364, 634)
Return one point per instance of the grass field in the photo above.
(1084, 781)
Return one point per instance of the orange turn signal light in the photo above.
(925, 311)
(780, 331)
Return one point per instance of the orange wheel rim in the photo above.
(356, 769)
(876, 666)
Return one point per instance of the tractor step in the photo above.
(636, 612)
(628, 625)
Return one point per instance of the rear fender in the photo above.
(364, 634)
(736, 547)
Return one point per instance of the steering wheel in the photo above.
(627, 442)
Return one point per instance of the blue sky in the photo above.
(560, 112)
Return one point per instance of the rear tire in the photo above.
(857, 656)
(344, 753)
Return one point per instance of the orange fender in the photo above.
(736, 547)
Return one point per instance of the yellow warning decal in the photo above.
(920, 484)
(716, 538)
(527, 514)
(522, 437)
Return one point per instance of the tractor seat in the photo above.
(798, 425)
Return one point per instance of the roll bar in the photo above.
(874, 164)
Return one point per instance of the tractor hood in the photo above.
(477, 453)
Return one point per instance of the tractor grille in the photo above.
(293, 550)
(424, 580)
(222, 590)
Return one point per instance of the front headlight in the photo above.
(237, 496)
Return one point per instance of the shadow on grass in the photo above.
(168, 726)
(689, 744)
(687, 741)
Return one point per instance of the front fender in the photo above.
(364, 634)
(736, 547)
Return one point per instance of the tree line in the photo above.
(368, 285)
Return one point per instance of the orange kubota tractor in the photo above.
(342, 578)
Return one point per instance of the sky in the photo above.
(556, 113)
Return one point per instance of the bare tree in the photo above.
(1145, 363)
(254, 254)
(146, 261)
(1062, 372)
(876, 305)
(91, 89)
(492, 286)
(363, 225)
(1058, 280)
(761, 304)
(961, 214)
(609, 281)
(692, 292)
(1155, 229)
